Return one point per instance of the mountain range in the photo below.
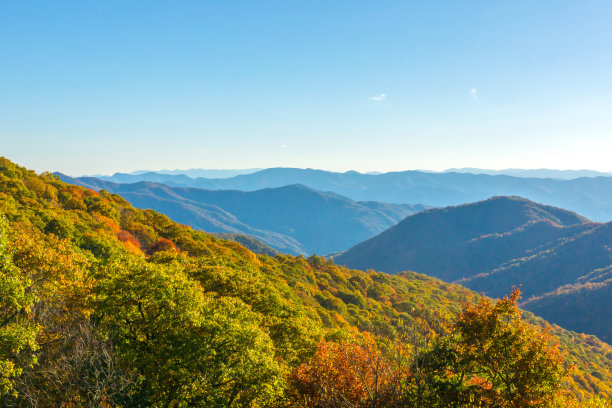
(192, 173)
(561, 260)
(293, 219)
(589, 196)
(127, 295)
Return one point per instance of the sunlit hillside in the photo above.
(107, 304)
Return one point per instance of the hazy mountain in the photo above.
(294, 218)
(192, 173)
(170, 179)
(590, 196)
(493, 245)
(538, 173)
(426, 241)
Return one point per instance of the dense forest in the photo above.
(105, 305)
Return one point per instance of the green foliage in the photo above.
(186, 346)
(97, 244)
(62, 228)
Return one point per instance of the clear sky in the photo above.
(105, 86)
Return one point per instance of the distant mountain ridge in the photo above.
(516, 172)
(493, 245)
(590, 196)
(191, 173)
(294, 218)
(535, 173)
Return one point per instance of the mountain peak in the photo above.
(410, 244)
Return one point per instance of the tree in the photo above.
(17, 331)
(495, 359)
(346, 375)
(189, 348)
(78, 370)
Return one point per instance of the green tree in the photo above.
(189, 348)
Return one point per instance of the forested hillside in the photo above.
(252, 244)
(102, 304)
(583, 306)
(494, 245)
(292, 219)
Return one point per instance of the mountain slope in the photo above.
(590, 196)
(494, 245)
(581, 305)
(247, 241)
(293, 219)
(116, 287)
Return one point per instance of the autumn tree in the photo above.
(495, 359)
(346, 374)
(72, 363)
(492, 358)
(17, 331)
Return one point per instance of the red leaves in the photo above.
(162, 245)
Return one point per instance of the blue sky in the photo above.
(99, 87)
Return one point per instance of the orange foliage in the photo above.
(162, 245)
(346, 374)
(129, 241)
(91, 193)
(74, 190)
(110, 223)
(507, 361)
